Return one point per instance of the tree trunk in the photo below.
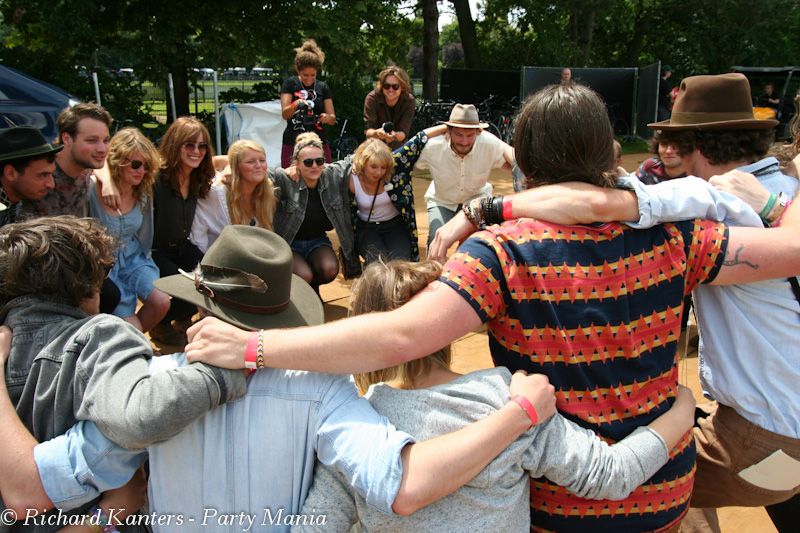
(180, 81)
(430, 50)
(587, 34)
(641, 23)
(469, 39)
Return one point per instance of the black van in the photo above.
(26, 100)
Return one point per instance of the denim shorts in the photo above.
(306, 247)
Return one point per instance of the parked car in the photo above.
(27, 100)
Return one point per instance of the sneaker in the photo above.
(165, 334)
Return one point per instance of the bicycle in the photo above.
(345, 144)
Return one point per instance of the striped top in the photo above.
(597, 309)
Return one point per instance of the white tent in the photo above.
(261, 122)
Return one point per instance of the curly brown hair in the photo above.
(63, 257)
(563, 133)
(722, 146)
(183, 130)
(387, 286)
(309, 55)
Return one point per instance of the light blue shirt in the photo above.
(749, 333)
(253, 456)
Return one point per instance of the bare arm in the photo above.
(329, 116)
(755, 254)
(287, 110)
(346, 346)
(109, 192)
(437, 467)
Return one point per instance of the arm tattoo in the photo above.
(735, 261)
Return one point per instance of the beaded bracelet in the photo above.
(472, 210)
(254, 354)
(99, 522)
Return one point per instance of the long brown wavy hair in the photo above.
(183, 130)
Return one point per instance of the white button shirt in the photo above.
(459, 179)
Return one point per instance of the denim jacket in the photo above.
(334, 192)
(65, 366)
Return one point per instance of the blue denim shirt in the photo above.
(257, 453)
(749, 333)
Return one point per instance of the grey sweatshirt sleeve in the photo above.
(330, 496)
(577, 459)
(133, 408)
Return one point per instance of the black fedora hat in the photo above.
(24, 141)
(245, 278)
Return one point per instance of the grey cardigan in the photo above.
(497, 498)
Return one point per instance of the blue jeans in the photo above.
(306, 247)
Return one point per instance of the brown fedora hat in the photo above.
(465, 116)
(721, 102)
(245, 278)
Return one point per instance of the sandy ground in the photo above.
(471, 351)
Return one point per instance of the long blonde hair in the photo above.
(124, 144)
(263, 201)
(387, 286)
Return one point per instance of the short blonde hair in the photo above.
(387, 286)
(264, 200)
(123, 145)
(376, 152)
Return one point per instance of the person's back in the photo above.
(257, 455)
(602, 320)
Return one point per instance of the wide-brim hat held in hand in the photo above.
(22, 142)
(465, 116)
(721, 102)
(245, 278)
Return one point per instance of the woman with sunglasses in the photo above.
(391, 101)
(132, 164)
(309, 207)
(184, 178)
(248, 197)
(306, 102)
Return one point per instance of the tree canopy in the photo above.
(52, 39)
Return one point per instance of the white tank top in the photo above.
(382, 211)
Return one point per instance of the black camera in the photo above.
(305, 115)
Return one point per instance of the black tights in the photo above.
(320, 267)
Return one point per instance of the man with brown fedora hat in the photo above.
(749, 364)
(460, 163)
(256, 457)
(27, 168)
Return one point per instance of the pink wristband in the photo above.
(507, 207)
(523, 402)
(252, 351)
(780, 219)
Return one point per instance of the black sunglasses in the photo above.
(387, 86)
(136, 165)
(191, 146)
(310, 162)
